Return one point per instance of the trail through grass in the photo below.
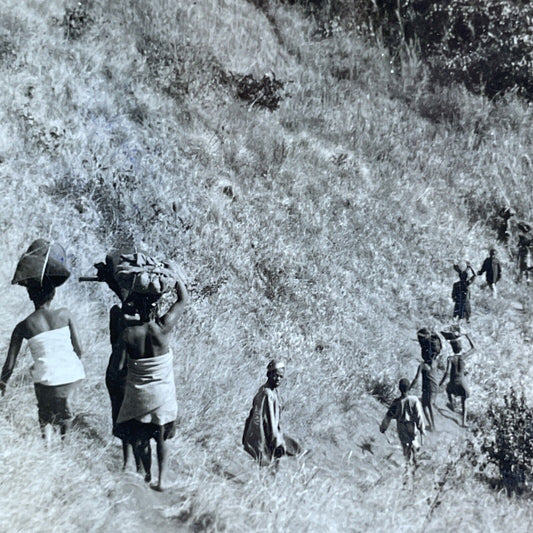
(323, 233)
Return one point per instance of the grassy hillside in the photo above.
(322, 232)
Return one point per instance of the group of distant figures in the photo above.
(413, 415)
(140, 373)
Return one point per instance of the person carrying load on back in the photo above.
(149, 408)
(427, 368)
(492, 269)
(461, 292)
(455, 367)
(115, 377)
(430, 344)
(262, 437)
(52, 338)
(410, 423)
(502, 224)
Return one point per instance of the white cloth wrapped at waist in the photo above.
(55, 361)
(150, 394)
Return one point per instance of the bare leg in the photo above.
(144, 452)
(162, 457)
(463, 406)
(450, 402)
(125, 454)
(138, 462)
(430, 417)
(46, 433)
(64, 429)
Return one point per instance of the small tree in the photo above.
(506, 442)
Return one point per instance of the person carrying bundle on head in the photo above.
(115, 376)
(455, 367)
(149, 408)
(52, 337)
(461, 292)
(262, 437)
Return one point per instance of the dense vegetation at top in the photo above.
(317, 178)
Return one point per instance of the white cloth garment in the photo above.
(54, 360)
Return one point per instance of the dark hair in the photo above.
(404, 385)
(41, 295)
(145, 305)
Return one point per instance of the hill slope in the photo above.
(322, 232)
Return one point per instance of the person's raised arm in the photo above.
(74, 336)
(413, 383)
(472, 347)
(170, 318)
(12, 353)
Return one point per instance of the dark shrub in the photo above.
(266, 92)
(505, 441)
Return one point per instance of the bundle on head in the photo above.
(43, 264)
(451, 333)
(137, 276)
(141, 274)
(430, 344)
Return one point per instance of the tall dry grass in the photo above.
(323, 233)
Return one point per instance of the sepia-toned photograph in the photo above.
(267, 266)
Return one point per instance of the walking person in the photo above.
(116, 372)
(149, 408)
(52, 337)
(410, 423)
(262, 437)
(430, 388)
(492, 269)
(455, 368)
(461, 296)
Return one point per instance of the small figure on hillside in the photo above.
(455, 366)
(492, 269)
(262, 437)
(410, 422)
(523, 257)
(430, 386)
(502, 224)
(56, 350)
(149, 408)
(461, 295)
